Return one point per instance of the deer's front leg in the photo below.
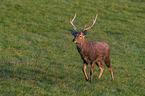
(84, 70)
(91, 72)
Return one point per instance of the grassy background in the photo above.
(38, 57)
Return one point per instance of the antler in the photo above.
(92, 24)
(71, 21)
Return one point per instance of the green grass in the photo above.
(38, 57)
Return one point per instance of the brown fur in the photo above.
(92, 52)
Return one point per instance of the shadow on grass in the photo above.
(8, 71)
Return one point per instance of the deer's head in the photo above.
(79, 37)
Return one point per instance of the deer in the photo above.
(91, 52)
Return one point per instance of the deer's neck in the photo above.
(82, 46)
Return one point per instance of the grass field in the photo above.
(38, 57)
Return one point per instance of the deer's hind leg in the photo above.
(107, 62)
(101, 68)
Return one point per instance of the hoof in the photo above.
(88, 79)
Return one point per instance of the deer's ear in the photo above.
(84, 32)
(72, 32)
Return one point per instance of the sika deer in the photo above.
(91, 52)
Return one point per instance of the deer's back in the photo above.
(94, 51)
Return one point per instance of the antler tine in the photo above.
(92, 24)
(71, 21)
